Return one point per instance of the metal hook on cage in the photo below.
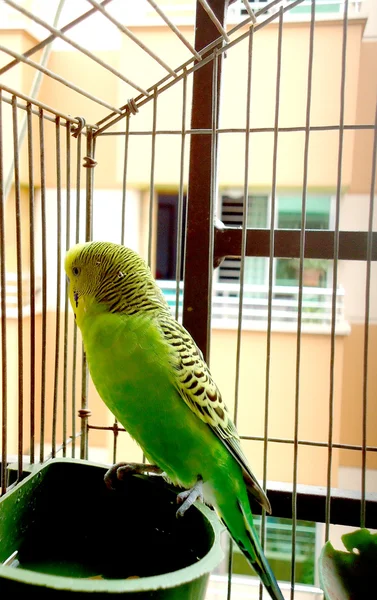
(76, 130)
(131, 107)
(84, 413)
(89, 162)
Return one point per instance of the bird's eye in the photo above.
(75, 270)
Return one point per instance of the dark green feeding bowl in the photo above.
(63, 532)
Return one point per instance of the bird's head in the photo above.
(109, 277)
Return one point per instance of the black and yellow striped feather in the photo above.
(196, 387)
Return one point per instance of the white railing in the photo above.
(11, 298)
(247, 588)
(237, 11)
(183, 13)
(316, 313)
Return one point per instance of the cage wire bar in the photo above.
(212, 41)
(336, 262)
(366, 327)
(32, 281)
(4, 362)
(270, 284)
(300, 297)
(245, 209)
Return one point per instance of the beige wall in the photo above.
(80, 70)
(10, 231)
(325, 105)
(98, 409)
(365, 114)
(352, 398)
(325, 109)
(359, 107)
(18, 78)
(360, 100)
(314, 397)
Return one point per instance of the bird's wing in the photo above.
(195, 385)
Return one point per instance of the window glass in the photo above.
(278, 550)
(289, 217)
(167, 232)
(257, 213)
(317, 212)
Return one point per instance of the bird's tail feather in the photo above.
(255, 556)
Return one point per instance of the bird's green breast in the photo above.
(129, 362)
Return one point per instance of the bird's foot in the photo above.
(122, 469)
(188, 497)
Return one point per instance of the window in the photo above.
(232, 215)
(321, 6)
(288, 216)
(167, 232)
(278, 550)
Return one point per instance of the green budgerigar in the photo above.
(152, 376)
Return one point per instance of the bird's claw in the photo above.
(120, 470)
(188, 497)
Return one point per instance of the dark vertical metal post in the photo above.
(213, 191)
(197, 260)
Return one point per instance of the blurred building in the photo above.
(354, 204)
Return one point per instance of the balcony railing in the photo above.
(11, 296)
(317, 307)
(237, 11)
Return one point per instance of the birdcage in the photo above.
(234, 147)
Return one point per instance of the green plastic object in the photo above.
(350, 575)
(63, 533)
